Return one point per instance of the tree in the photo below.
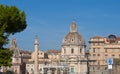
(12, 20)
(9, 72)
(5, 57)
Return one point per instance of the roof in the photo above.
(97, 37)
(25, 52)
(118, 38)
(73, 37)
(54, 51)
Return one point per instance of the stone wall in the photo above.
(104, 69)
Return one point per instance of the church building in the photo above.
(73, 51)
(70, 59)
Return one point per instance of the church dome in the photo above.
(73, 37)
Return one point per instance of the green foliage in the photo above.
(5, 57)
(12, 20)
(9, 72)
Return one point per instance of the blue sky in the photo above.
(50, 20)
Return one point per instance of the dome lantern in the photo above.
(73, 27)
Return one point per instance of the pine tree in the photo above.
(12, 20)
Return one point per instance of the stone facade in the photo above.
(101, 49)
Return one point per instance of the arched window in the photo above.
(80, 50)
(64, 50)
(72, 50)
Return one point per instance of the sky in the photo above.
(51, 19)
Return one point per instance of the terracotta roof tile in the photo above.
(118, 38)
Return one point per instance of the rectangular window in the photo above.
(98, 50)
(90, 49)
(99, 56)
(113, 55)
(106, 56)
(72, 70)
(94, 55)
(94, 50)
(106, 50)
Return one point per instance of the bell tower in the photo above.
(16, 58)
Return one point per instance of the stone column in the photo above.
(42, 71)
(56, 70)
(61, 72)
(36, 56)
(49, 71)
